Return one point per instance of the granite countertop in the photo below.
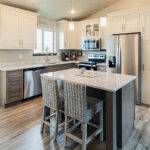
(104, 81)
(28, 66)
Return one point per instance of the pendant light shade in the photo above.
(72, 11)
(71, 26)
(103, 21)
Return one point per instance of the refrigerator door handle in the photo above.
(118, 59)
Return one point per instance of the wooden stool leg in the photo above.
(56, 126)
(101, 125)
(43, 117)
(84, 135)
(66, 127)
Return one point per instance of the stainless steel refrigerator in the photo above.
(124, 56)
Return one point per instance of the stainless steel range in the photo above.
(93, 59)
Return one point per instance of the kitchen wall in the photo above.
(122, 5)
(27, 55)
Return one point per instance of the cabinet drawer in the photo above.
(17, 81)
(14, 95)
(13, 74)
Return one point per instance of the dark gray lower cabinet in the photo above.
(61, 67)
(11, 87)
(11, 83)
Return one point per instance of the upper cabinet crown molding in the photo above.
(17, 28)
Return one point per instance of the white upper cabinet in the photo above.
(17, 28)
(145, 18)
(116, 24)
(131, 23)
(68, 39)
(10, 34)
(28, 30)
(124, 22)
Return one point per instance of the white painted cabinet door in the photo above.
(146, 22)
(11, 29)
(115, 24)
(74, 37)
(131, 23)
(28, 31)
(82, 35)
(146, 71)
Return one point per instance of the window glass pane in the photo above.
(39, 41)
(48, 41)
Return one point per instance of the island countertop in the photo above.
(104, 81)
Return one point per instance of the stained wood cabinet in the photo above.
(17, 28)
(11, 87)
(61, 67)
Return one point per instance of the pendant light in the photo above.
(103, 21)
(71, 24)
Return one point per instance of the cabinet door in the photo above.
(11, 29)
(146, 23)
(28, 31)
(66, 35)
(131, 23)
(82, 35)
(146, 71)
(74, 38)
(115, 24)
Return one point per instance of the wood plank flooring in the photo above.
(20, 130)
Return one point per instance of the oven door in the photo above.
(87, 66)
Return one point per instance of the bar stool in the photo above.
(53, 98)
(83, 109)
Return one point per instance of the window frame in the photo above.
(43, 53)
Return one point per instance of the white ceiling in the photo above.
(59, 9)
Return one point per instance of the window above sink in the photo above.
(46, 42)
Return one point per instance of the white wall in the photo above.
(13, 55)
(122, 5)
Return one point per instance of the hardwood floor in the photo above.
(20, 130)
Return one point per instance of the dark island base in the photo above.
(119, 114)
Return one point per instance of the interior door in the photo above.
(130, 58)
(11, 29)
(28, 32)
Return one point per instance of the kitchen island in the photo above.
(117, 92)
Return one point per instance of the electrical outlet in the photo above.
(20, 56)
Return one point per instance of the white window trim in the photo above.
(54, 42)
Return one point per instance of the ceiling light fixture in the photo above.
(72, 11)
(103, 20)
(71, 24)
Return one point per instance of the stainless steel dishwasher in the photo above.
(32, 82)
